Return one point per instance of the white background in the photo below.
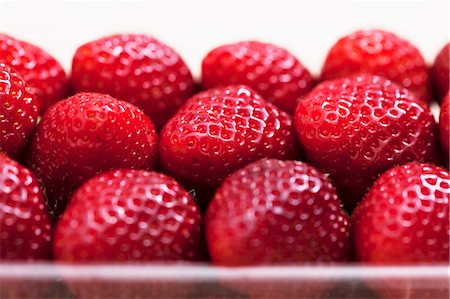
(308, 29)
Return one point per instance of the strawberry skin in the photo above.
(18, 112)
(129, 215)
(40, 70)
(440, 73)
(221, 130)
(404, 217)
(135, 68)
(277, 212)
(356, 128)
(25, 225)
(444, 119)
(274, 211)
(84, 135)
(270, 70)
(380, 53)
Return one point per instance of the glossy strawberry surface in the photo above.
(405, 217)
(404, 220)
(270, 70)
(25, 225)
(18, 111)
(440, 73)
(380, 53)
(278, 212)
(358, 127)
(444, 119)
(134, 68)
(41, 71)
(84, 135)
(221, 130)
(129, 215)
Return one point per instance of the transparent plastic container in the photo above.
(205, 281)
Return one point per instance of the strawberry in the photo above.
(270, 70)
(404, 219)
(355, 128)
(274, 211)
(25, 225)
(440, 73)
(40, 70)
(134, 68)
(277, 212)
(379, 53)
(18, 111)
(128, 216)
(84, 135)
(221, 130)
(444, 119)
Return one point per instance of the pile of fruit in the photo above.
(129, 159)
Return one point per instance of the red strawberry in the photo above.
(270, 70)
(379, 53)
(18, 112)
(84, 135)
(221, 130)
(39, 69)
(129, 216)
(277, 212)
(440, 73)
(25, 226)
(404, 219)
(358, 127)
(134, 68)
(444, 119)
(274, 211)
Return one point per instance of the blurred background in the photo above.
(307, 28)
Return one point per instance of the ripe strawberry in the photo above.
(444, 119)
(277, 212)
(358, 127)
(128, 216)
(40, 70)
(440, 73)
(134, 68)
(404, 219)
(18, 111)
(84, 135)
(379, 53)
(270, 70)
(274, 212)
(221, 130)
(25, 226)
